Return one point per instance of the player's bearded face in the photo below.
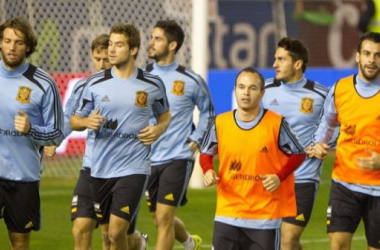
(284, 66)
(13, 48)
(369, 71)
(158, 45)
(158, 54)
(369, 60)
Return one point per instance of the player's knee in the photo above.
(134, 240)
(164, 219)
(81, 231)
(340, 245)
(290, 241)
(334, 246)
(291, 245)
(106, 240)
(19, 241)
(289, 238)
(114, 236)
(340, 241)
(19, 244)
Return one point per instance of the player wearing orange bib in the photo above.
(258, 153)
(353, 102)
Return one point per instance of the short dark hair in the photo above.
(173, 32)
(368, 36)
(253, 71)
(297, 50)
(100, 43)
(131, 32)
(25, 28)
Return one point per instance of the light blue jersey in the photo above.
(301, 104)
(127, 105)
(72, 104)
(33, 91)
(184, 90)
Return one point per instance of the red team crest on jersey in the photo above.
(307, 105)
(178, 87)
(141, 99)
(23, 94)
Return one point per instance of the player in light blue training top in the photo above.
(31, 118)
(82, 208)
(300, 101)
(120, 101)
(173, 153)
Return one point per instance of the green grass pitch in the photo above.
(197, 214)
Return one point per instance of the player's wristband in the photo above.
(205, 161)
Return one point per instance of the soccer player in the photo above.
(82, 208)
(300, 101)
(173, 153)
(100, 60)
(353, 102)
(258, 153)
(31, 118)
(122, 134)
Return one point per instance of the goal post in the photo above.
(199, 64)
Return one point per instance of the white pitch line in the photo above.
(204, 246)
(357, 238)
(309, 241)
(55, 192)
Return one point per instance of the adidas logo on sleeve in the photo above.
(105, 99)
(274, 103)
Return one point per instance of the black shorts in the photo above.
(305, 197)
(82, 204)
(168, 184)
(20, 205)
(228, 237)
(346, 209)
(118, 196)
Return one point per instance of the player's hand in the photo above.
(193, 146)
(50, 150)
(210, 178)
(270, 182)
(372, 162)
(320, 150)
(309, 151)
(149, 134)
(22, 124)
(94, 121)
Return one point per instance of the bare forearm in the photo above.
(163, 121)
